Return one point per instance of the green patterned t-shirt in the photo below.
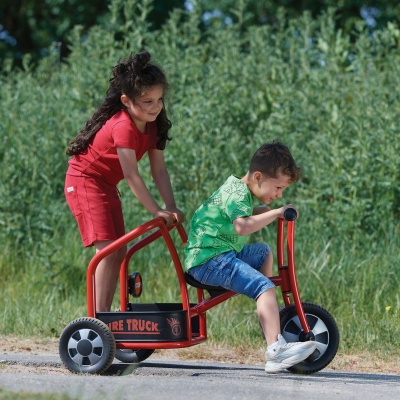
(211, 230)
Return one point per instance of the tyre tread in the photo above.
(315, 366)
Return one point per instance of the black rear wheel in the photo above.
(133, 356)
(324, 329)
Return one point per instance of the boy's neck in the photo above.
(247, 180)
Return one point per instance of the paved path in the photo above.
(194, 380)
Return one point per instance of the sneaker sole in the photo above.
(273, 366)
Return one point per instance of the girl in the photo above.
(130, 121)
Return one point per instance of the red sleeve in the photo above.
(124, 135)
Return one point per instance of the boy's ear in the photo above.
(257, 176)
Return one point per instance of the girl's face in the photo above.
(146, 107)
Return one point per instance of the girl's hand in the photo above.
(178, 214)
(169, 217)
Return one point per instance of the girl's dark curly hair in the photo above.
(131, 76)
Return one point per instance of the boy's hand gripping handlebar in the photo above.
(290, 214)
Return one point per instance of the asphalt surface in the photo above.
(194, 380)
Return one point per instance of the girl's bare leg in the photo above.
(107, 274)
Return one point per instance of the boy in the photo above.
(216, 253)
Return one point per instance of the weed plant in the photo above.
(331, 98)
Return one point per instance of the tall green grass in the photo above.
(331, 98)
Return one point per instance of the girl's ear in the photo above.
(125, 100)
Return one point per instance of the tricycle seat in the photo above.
(213, 290)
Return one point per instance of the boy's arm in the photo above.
(261, 210)
(253, 223)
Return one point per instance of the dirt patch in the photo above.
(365, 362)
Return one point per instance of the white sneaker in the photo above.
(287, 354)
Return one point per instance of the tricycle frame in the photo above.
(155, 229)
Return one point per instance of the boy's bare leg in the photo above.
(268, 315)
(266, 269)
(107, 274)
(267, 307)
(285, 354)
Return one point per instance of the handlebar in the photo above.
(290, 214)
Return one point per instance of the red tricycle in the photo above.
(131, 334)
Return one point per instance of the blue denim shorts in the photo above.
(238, 272)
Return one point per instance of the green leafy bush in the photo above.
(332, 100)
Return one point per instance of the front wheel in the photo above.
(324, 329)
(87, 345)
(133, 356)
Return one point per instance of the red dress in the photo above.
(92, 177)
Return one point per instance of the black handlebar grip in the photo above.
(290, 214)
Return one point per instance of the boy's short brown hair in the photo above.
(274, 158)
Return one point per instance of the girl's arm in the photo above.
(162, 180)
(128, 161)
(248, 225)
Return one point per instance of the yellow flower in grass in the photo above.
(387, 308)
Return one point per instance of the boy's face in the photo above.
(268, 189)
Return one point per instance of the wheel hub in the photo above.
(293, 332)
(84, 347)
(305, 337)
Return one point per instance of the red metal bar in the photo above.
(117, 244)
(280, 242)
(182, 234)
(211, 302)
(283, 279)
(292, 277)
(123, 290)
(124, 296)
(161, 345)
(277, 280)
(181, 276)
(201, 316)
